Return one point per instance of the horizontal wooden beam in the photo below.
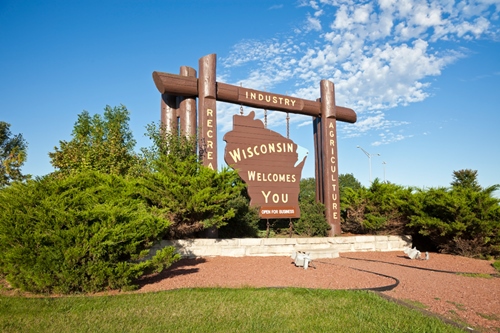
(176, 84)
(188, 86)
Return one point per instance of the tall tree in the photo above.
(12, 155)
(466, 178)
(102, 143)
(347, 180)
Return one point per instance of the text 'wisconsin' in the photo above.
(269, 148)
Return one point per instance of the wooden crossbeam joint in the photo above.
(188, 86)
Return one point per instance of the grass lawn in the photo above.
(216, 310)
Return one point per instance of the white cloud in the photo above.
(380, 54)
(314, 5)
(313, 23)
(371, 122)
(362, 13)
(391, 138)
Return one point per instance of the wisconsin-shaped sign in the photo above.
(268, 163)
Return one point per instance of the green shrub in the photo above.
(380, 209)
(84, 233)
(496, 265)
(312, 221)
(190, 195)
(245, 222)
(461, 220)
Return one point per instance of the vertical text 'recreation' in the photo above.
(210, 135)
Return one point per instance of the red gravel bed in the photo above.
(432, 283)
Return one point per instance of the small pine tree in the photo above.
(312, 221)
(465, 178)
(245, 222)
(191, 196)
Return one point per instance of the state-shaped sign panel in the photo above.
(268, 163)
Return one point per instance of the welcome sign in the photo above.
(267, 162)
(264, 159)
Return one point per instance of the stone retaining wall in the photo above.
(318, 247)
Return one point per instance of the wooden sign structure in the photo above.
(268, 163)
(178, 97)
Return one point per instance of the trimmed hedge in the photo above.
(87, 232)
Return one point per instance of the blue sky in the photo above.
(423, 76)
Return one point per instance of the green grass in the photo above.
(459, 306)
(496, 265)
(489, 316)
(217, 310)
(415, 304)
(477, 275)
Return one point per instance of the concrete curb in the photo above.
(318, 247)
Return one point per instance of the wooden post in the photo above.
(168, 114)
(329, 148)
(207, 94)
(187, 107)
(318, 159)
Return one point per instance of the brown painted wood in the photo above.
(177, 85)
(207, 110)
(318, 159)
(268, 163)
(207, 116)
(329, 153)
(168, 113)
(187, 107)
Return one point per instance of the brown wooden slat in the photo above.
(182, 85)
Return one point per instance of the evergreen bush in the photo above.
(460, 220)
(380, 209)
(245, 222)
(312, 221)
(84, 233)
(190, 195)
